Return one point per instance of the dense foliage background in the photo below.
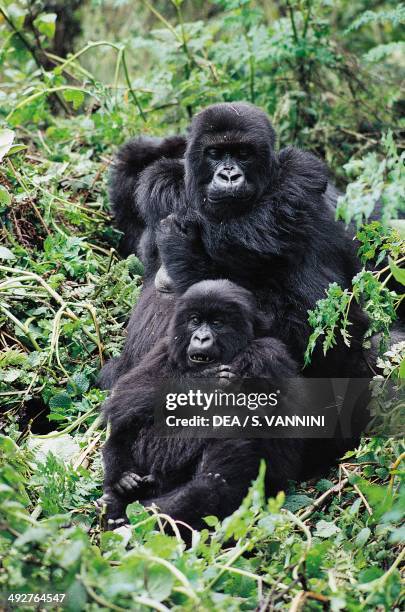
(77, 79)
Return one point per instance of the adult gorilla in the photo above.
(262, 218)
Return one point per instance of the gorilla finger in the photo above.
(128, 483)
(133, 475)
(119, 489)
(227, 374)
(149, 479)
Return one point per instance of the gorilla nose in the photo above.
(229, 177)
(202, 340)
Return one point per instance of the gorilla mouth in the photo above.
(200, 358)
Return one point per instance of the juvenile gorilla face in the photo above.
(230, 159)
(214, 321)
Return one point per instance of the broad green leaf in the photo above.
(158, 582)
(78, 384)
(362, 537)
(296, 502)
(397, 272)
(45, 23)
(6, 140)
(370, 573)
(5, 197)
(76, 597)
(326, 529)
(74, 96)
(60, 400)
(17, 148)
(402, 369)
(17, 15)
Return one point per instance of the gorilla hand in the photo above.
(130, 483)
(163, 282)
(223, 375)
(179, 226)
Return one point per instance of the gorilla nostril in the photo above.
(224, 176)
(235, 177)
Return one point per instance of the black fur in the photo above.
(138, 200)
(192, 478)
(275, 235)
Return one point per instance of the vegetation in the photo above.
(329, 75)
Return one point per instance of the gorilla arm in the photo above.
(275, 231)
(129, 408)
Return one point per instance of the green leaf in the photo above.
(76, 597)
(362, 537)
(315, 559)
(158, 582)
(5, 197)
(17, 148)
(17, 15)
(399, 226)
(75, 96)
(5, 253)
(60, 400)
(402, 369)
(135, 266)
(211, 521)
(78, 384)
(369, 574)
(296, 502)
(6, 140)
(397, 272)
(326, 529)
(45, 23)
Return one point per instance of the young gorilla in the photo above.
(262, 218)
(216, 333)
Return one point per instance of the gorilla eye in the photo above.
(217, 322)
(195, 319)
(213, 153)
(243, 153)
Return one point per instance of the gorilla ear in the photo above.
(261, 325)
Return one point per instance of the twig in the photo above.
(380, 581)
(33, 52)
(320, 500)
(298, 522)
(393, 468)
(131, 90)
(27, 191)
(31, 275)
(228, 564)
(356, 488)
(300, 599)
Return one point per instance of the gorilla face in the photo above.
(230, 159)
(214, 321)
